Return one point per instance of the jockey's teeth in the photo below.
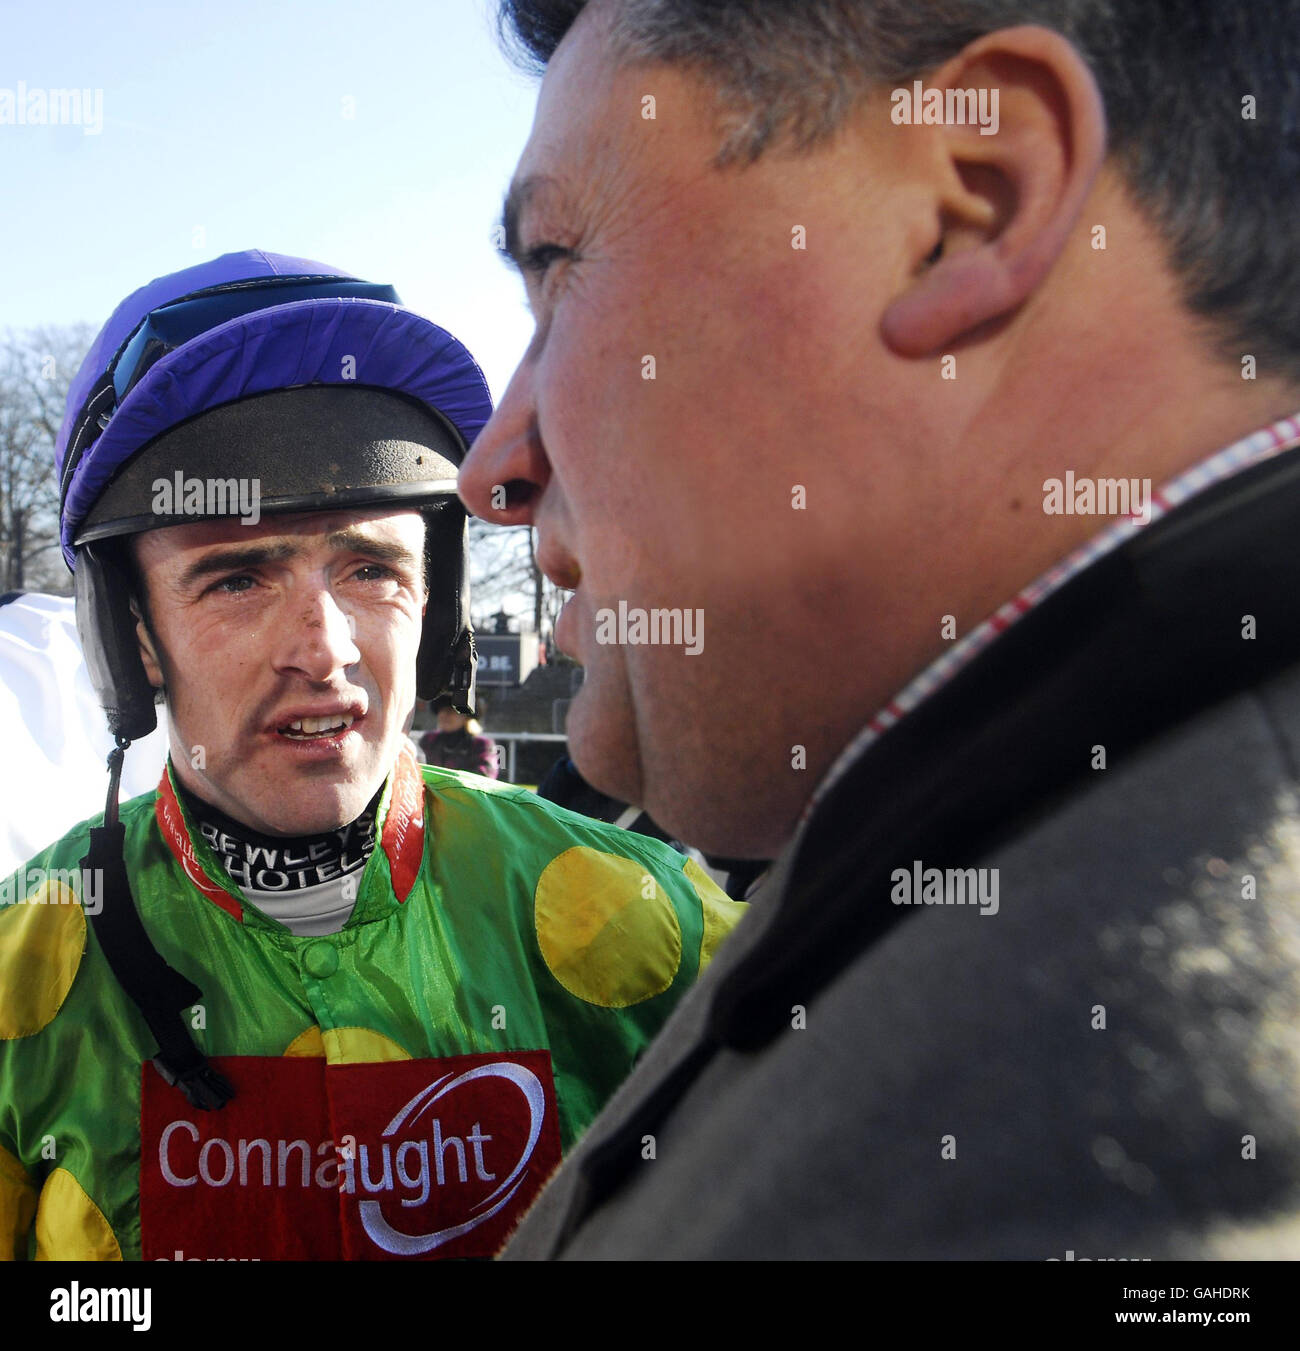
(314, 726)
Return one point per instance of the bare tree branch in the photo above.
(36, 368)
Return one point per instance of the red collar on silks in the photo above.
(401, 837)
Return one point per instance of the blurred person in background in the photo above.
(458, 742)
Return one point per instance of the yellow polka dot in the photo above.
(360, 1046)
(307, 1044)
(70, 1227)
(721, 913)
(41, 942)
(606, 929)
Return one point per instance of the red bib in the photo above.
(410, 1158)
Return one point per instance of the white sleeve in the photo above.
(54, 741)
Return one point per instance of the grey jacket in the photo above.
(1106, 1067)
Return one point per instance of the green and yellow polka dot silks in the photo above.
(528, 928)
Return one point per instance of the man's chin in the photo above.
(312, 813)
(684, 797)
(672, 782)
(312, 801)
(603, 747)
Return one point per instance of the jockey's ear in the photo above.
(152, 666)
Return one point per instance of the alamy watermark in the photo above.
(55, 886)
(920, 885)
(75, 1303)
(181, 496)
(919, 106)
(633, 626)
(1078, 496)
(23, 106)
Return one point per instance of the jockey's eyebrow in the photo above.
(350, 539)
(356, 540)
(241, 556)
(385, 550)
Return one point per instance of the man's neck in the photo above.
(1109, 377)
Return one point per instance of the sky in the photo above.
(378, 136)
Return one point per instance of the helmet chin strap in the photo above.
(159, 991)
(115, 758)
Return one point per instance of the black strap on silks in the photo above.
(159, 991)
(1137, 643)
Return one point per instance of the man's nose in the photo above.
(317, 637)
(506, 469)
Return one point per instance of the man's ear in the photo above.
(1010, 198)
(152, 666)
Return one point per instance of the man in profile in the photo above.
(945, 358)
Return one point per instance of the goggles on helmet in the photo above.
(171, 326)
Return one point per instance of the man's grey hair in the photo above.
(1178, 78)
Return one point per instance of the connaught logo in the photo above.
(310, 1159)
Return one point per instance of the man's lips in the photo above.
(558, 565)
(565, 631)
(562, 569)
